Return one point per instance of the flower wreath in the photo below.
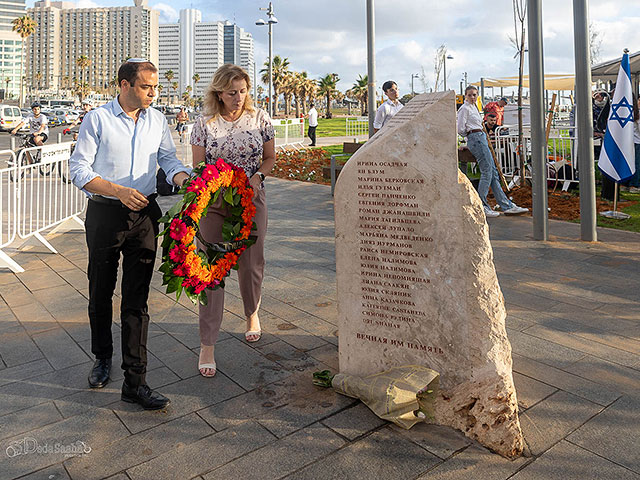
(184, 267)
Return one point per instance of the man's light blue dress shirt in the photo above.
(113, 146)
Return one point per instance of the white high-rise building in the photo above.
(192, 46)
(107, 36)
(10, 48)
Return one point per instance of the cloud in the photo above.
(87, 4)
(168, 14)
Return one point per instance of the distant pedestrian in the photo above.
(313, 123)
(470, 126)
(182, 118)
(390, 107)
(497, 108)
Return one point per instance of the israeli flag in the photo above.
(617, 156)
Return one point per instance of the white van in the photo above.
(10, 116)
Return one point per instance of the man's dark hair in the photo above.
(129, 71)
(312, 104)
(387, 85)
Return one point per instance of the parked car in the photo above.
(10, 116)
(54, 120)
(72, 115)
(64, 116)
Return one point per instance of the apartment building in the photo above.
(10, 48)
(106, 36)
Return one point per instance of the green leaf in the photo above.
(203, 297)
(236, 199)
(189, 197)
(175, 210)
(228, 196)
(236, 229)
(323, 378)
(165, 218)
(174, 284)
(165, 267)
(179, 292)
(167, 241)
(215, 196)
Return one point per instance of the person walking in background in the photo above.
(390, 107)
(470, 126)
(182, 118)
(233, 129)
(313, 123)
(497, 108)
(119, 148)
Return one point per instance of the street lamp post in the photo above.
(270, 22)
(444, 65)
(413, 75)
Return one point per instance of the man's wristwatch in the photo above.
(261, 175)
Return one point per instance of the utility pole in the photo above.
(371, 65)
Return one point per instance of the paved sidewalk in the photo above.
(573, 320)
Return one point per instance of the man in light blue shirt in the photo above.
(115, 160)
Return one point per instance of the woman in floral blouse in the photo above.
(233, 129)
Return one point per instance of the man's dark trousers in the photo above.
(312, 135)
(112, 229)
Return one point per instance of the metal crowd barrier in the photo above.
(289, 132)
(356, 127)
(561, 154)
(36, 194)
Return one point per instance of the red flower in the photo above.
(178, 229)
(210, 173)
(197, 185)
(177, 254)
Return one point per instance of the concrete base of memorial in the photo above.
(415, 276)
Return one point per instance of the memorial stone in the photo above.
(415, 275)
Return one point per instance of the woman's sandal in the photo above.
(252, 336)
(203, 366)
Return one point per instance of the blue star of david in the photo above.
(623, 103)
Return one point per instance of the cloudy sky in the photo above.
(327, 36)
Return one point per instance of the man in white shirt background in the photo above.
(470, 126)
(390, 107)
(313, 123)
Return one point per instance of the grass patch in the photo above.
(631, 224)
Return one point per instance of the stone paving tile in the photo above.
(174, 354)
(302, 412)
(60, 349)
(543, 351)
(579, 386)
(282, 457)
(15, 294)
(530, 391)
(328, 355)
(262, 399)
(94, 430)
(383, 454)
(291, 358)
(437, 439)
(475, 463)
(566, 461)
(354, 422)
(40, 277)
(35, 318)
(549, 421)
(33, 391)
(96, 398)
(576, 342)
(615, 377)
(139, 448)
(24, 371)
(246, 366)
(187, 396)
(54, 472)
(323, 307)
(17, 347)
(29, 419)
(204, 455)
(613, 433)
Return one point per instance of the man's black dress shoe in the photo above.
(99, 375)
(143, 395)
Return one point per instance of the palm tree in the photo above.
(327, 87)
(175, 86)
(186, 96)
(113, 83)
(23, 26)
(196, 79)
(169, 76)
(39, 79)
(311, 89)
(260, 92)
(288, 90)
(83, 62)
(298, 90)
(160, 87)
(361, 92)
(279, 68)
(7, 80)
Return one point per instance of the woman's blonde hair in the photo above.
(221, 81)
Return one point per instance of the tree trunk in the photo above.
(328, 106)
(297, 106)
(520, 149)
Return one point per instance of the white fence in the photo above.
(356, 127)
(36, 194)
(289, 132)
(561, 157)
